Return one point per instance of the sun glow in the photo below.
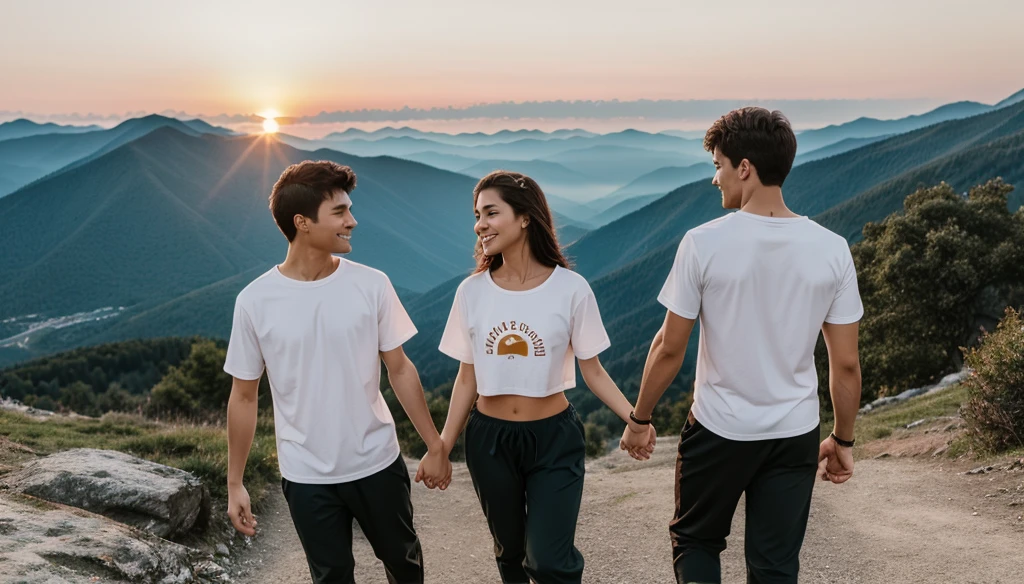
(270, 124)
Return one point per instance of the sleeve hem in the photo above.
(390, 346)
(845, 319)
(244, 376)
(675, 309)
(457, 355)
(590, 354)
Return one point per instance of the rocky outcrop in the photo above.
(945, 383)
(152, 497)
(42, 542)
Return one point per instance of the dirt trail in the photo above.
(899, 520)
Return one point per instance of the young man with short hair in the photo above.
(763, 282)
(320, 325)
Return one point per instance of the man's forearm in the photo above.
(409, 391)
(242, 414)
(661, 368)
(845, 388)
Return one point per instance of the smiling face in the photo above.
(331, 229)
(728, 180)
(497, 226)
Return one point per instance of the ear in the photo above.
(745, 169)
(301, 223)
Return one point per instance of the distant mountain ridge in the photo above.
(42, 154)
(21, 128)
(810, 189)
(171, 212)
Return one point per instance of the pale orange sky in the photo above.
(305, 56)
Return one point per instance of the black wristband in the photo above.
(841, 442)
(632, 416)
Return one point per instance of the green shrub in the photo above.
(994, 410)
(597, 439)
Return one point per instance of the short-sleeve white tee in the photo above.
(524, 342)
(319, 342)
(762, 288)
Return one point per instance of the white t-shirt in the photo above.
(319, 342)
(762, 288)
(524, 342)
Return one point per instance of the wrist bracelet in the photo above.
(841, 442)
(632, 416)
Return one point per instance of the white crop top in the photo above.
(524, 342)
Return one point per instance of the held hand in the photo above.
(435, 470)
(835, 462)
(240, 510)
(639, 441)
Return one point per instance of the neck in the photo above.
(766, 201)
(519, 264)
(306, 263)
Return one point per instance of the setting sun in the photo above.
(270, 126)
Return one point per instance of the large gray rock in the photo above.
(46, 543)
(159, 499)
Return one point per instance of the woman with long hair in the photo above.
(517, 327)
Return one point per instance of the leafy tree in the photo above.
(930, 278)
(199, 387)
(79, 398)
(116, 399)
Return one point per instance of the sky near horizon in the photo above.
(303, 57)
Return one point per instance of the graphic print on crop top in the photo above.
(513, 339)
(524, 342)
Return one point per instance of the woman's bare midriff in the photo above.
(519, 408)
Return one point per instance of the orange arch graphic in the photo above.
(513, 345)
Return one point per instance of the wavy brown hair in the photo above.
(763, 137)
(302, 187)
(526, 198)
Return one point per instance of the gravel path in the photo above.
(899, 520)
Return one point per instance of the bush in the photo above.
(994, 410)
(596, 438)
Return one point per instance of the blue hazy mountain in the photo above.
(982, 145)
(42, 154)
(22, 128)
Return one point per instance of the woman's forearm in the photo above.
(601, 384)
(463, 397)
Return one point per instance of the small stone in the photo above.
(222, 550)
(979, 470)
(975, 514)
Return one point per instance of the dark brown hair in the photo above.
(763, 137)
(302, 187)
(526, 198)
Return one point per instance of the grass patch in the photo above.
(199, 449)
(881, 423)
(624, 498)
